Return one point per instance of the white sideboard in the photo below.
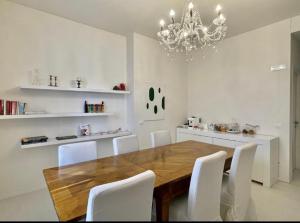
(266, 163)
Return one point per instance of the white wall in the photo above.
(236, 83)
(151, 64)
(295, 24)
(32, 39)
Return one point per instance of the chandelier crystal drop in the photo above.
(191, 34)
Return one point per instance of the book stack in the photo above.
(12, 107)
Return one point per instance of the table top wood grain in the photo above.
(69, 186)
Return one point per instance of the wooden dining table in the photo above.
(69, 186)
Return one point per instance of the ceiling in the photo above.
(142, 16)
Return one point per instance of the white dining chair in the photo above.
(125, 200)
(77, 152)
(203, 200)
(125, 144)
(236, 201)
(160, 138)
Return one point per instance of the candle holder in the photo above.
(55, 81)
(78, 82)
(50, 80)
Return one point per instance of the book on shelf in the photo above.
(12, 107)
(2, 106)
(8, 108)
(22, 107)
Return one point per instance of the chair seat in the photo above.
(178, 209)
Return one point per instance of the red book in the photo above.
(1, 107)
(8, 105)
(14, 105)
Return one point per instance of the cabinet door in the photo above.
(224, 142)
(181, 137)
(185, 137)
(258, 165)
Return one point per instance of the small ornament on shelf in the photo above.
(79, 82)
(85, 130)
(116, 88)
(55, 81)
(51, 78)
(35, 77)
(50, 81)
(120, 87)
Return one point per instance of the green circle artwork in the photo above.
(155, 109)
(151, 94)
(154, 99)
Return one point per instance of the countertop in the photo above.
(229, 136)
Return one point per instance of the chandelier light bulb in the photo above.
(191, 6)
(222, 19)
(172, 13)
(218, 8)
(162, 23)
(205, 29)
(185, 34)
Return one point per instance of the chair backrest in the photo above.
(205, 188)
(239, 182)
(125, 200)
(160, 138)
(75, 153)
(125, 144)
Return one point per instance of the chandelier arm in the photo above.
(183, 13)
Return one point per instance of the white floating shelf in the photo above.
(87, 90)
(52, 142)
(54, 115)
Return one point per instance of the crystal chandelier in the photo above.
(191, 34)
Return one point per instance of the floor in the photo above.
(279, 203)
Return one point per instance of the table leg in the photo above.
(162, 199)
(162, 208)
